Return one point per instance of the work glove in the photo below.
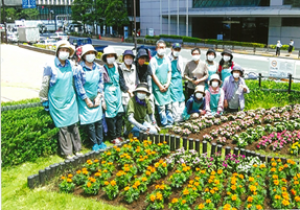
(46, 105)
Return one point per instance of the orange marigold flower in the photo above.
(207, 201)
(296, 182)
(250, 199)
(174, 200)
(249, 206)
(152, 198)
(277, 197)
(69, 180)
(201, 206)
(251, 179)
(279, 160)
(276, 182)
(159, 196)
(106, 183)
(63, 178)
(255, 165)
(259, 207)
(88, 184)
(274, 164)
(137, 183)
(113, 183)
(70, 175)
(96, 161)
(144, 179)
(285, 202)
(228, 193)
(220, 171)
(273, 169)
(183, 201)
(233, 187)
(126, 188)
(78, 172)
(297, 199)
(186, 192)
(206, 190)
(164, 164)
(252, 188)
(262, 166)
(234, 197)
(212, 191)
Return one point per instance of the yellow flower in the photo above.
(137, 183)
(250, 199)
(212, 191)
(233, 187)
(252, 188)
(186, 192)
(251, 179)
(206, 190)
(96, 161)
(78, 172)
(277, 197)
(208, 201)
(70, 175)
(88, 184)
(183, 201)
(259, 207)
(262, 166)
(159, 196)
(152, 198)
(144, 179)
(164, 164)
(274, 164)
(249, 206)
(234, 197)
(63, 178)
(69, 180)
(201, 206)
(285, 202)
(126, 188)
(174, 200)
(276, 182)
(106, 183)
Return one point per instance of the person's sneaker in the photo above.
(115, 141)
(69, 157)
(79, 154)
(102, 146)
(96, 147)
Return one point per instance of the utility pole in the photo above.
(4, 20)
(134, 14)
(187, 18)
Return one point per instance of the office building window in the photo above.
(291, 22)
(229, 3)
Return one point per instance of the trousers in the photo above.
(95, 132)
(69, 139)
(114, 125)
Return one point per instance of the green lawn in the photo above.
(16, 194)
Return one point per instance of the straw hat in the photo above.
(142, 87)
(64, 44)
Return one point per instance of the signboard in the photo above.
(126, 32)
(28, 4)
(281, 68)
(151, 31)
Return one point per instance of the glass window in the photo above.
(229, 3)
(291, 22)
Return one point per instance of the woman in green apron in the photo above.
(176, 87)
(212, 67)
(89, 88)
(161, 68)
(58, 96)
(214, 96)
(113, 85)
(195, 106)
(226, 64)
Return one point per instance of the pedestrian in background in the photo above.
(89, 87)
(291, 46)
(212, 67)
(278, 46)
(176, 87)
(195, 72)
(113, 85)
(214, 97)
(226, 64)
(234, 88)
(58, 97)
(161, 67)
(138, 109)
(195, 106)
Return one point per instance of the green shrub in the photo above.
(151, 37)
(284, 47)
(27, 134)
(26, 101)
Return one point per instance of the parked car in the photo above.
(59, 36)
(12, 37)
(48, 43)
(79, 41)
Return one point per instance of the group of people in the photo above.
(279, 45)
(125, 96)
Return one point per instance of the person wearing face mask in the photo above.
(211, 66)
(113, 85)
(129, 74)
(226, 64)
(176, 88)
(89, 87)
(195, 106)
(161, 67)
(234, 88)
(214, 96)
(59, 98)
(278, 46)
(195, 72)
(138, 109)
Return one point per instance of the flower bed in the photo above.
(274, 130)
(150, 176)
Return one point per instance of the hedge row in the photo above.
(207, 41)
(284, 47)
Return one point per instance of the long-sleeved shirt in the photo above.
(50, 77)
(229, 89)
(221, 100)
(189, 105)
(122, 83)
(80, 78)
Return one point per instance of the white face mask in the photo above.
(199, 95)
(176, 53)
(215, 84)
(141, 96)
(236, 75)
(63, 55)
(161, 51)
(226, 58)
(90, 58)
(210, 57)
(196, 57)
(110, 60)
(128, 61)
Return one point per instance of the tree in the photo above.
(116, 14)
(11, 15)
(29, 14)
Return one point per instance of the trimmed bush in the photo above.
(284, 47)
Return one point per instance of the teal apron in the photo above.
(195, 106)
(112, 92)
(214, 101)
(211, 71)
(90, 115)
(162, 75)
(225, 73)
(62, 99)
(176, 87)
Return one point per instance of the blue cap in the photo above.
(128, 52)
(176, 46)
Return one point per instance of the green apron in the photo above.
(162, 75)
(214, 101)
(90, 115)
(225, 73)
(176, 88)
(112, 92)
(211, 70)
(62, 99)
(195, 106)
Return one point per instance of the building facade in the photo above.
(261, 21)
